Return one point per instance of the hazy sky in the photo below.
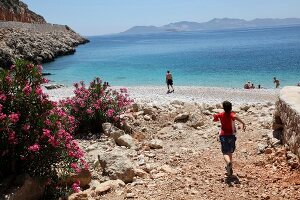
(97, 17)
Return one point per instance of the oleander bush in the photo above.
(35, 134)
(91, 106)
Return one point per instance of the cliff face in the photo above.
(14, 10)
(35, 42)
(26, 35)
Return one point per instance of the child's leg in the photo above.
(227, 158)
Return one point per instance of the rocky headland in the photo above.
(34, 40)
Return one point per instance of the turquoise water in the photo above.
(212, 58)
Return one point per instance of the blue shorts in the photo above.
(227, 143)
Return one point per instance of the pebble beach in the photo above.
(209, 95)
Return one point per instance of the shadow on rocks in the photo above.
(230, 180)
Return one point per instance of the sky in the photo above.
(100, 17)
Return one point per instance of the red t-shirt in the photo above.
(227, 123)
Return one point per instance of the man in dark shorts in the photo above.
(169, 81)
(227, 133)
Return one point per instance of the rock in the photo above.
(195, 121)
(217, 110)
(116, 134)
(155, 144)
(108, 128)
(30, 189)
(177, 102)
(135, 107)
(268, 151)
(125, 140)
(127, 128)
(136, 114)
(113, 184)
(130, 195)
(84, 177)
(55, 86)
(182, 117)
(94, 184)
(164, 130)
(275, 142)
(116, 165)
(147, 118)
(261, 148)
(149, 111)
(141, 173)
(177, 126)
(102, 189)
(168, 169)
(245, 107)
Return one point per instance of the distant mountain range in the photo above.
(214, 24)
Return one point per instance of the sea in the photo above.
(224, 58)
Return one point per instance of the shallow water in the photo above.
(212, 58)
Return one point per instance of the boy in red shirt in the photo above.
(227, 133)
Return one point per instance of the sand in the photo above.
(210, 95)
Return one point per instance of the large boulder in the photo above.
(125, 140)
(196, 120)
(116, 165)
(183, 117)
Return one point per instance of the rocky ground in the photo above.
(171, 151)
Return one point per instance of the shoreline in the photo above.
(197, 94)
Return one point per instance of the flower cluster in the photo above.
(35, 134)
(96, 104)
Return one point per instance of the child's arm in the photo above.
(241, 121)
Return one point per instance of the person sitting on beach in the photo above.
(247, 85)
(298, 84)
(277, 82)
(252, 86)
(169, 81)
(259, 86)
(227, 133)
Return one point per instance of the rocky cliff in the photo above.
(14, 10)
(35, 42)
(26, 35)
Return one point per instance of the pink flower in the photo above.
(76, 186)
(2, 116)
(2, 97)
(27, 90)
(34, 148)
(89, 111)
(8, 79)
(12, 67)
(110, 112)
(40, 67)
(14, 117)
(45, 80)
(12, 137)
(26, 127)
(46, 133)
(38, 91)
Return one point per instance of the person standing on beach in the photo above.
(277, 82)
(227, 133)
(169, 81)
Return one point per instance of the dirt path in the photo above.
(194, 167)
